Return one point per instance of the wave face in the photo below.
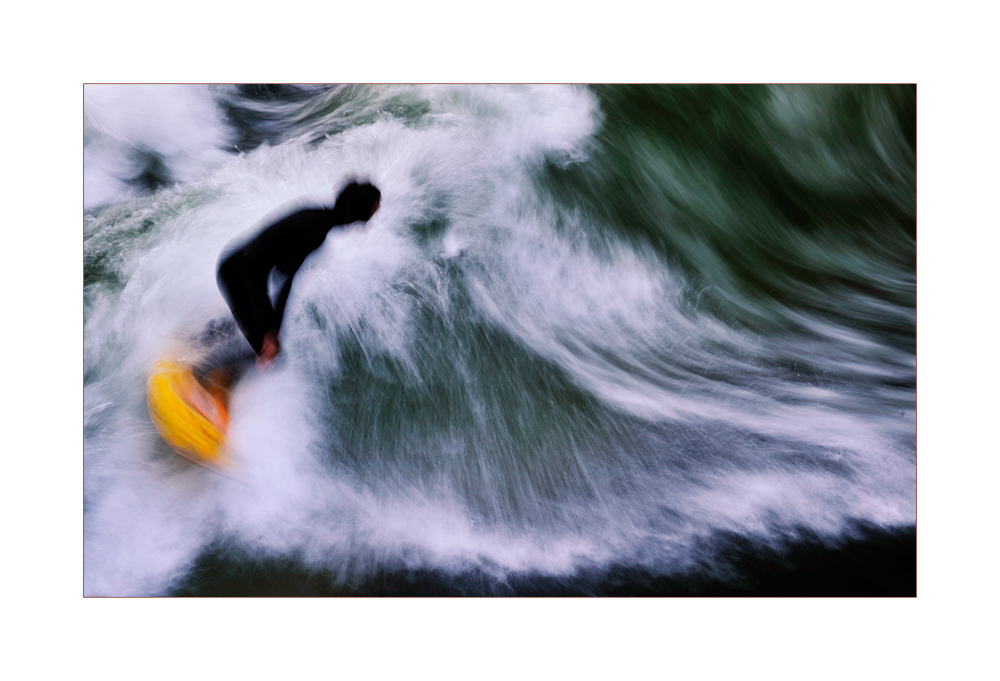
(588, 328)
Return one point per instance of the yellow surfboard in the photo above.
(191, 418)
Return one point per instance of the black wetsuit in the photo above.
(243, 274)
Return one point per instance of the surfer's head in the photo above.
(357, 201)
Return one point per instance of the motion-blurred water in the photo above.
(589, 327)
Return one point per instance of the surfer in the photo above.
(189, 404)
(272, 257)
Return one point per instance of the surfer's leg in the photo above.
(228, 353)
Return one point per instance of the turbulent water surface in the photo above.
(596, 340)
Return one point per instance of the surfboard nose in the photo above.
(189, 418)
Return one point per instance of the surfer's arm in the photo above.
(270, 346)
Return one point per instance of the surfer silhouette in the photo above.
(271, 258)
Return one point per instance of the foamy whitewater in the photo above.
(586, 328)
